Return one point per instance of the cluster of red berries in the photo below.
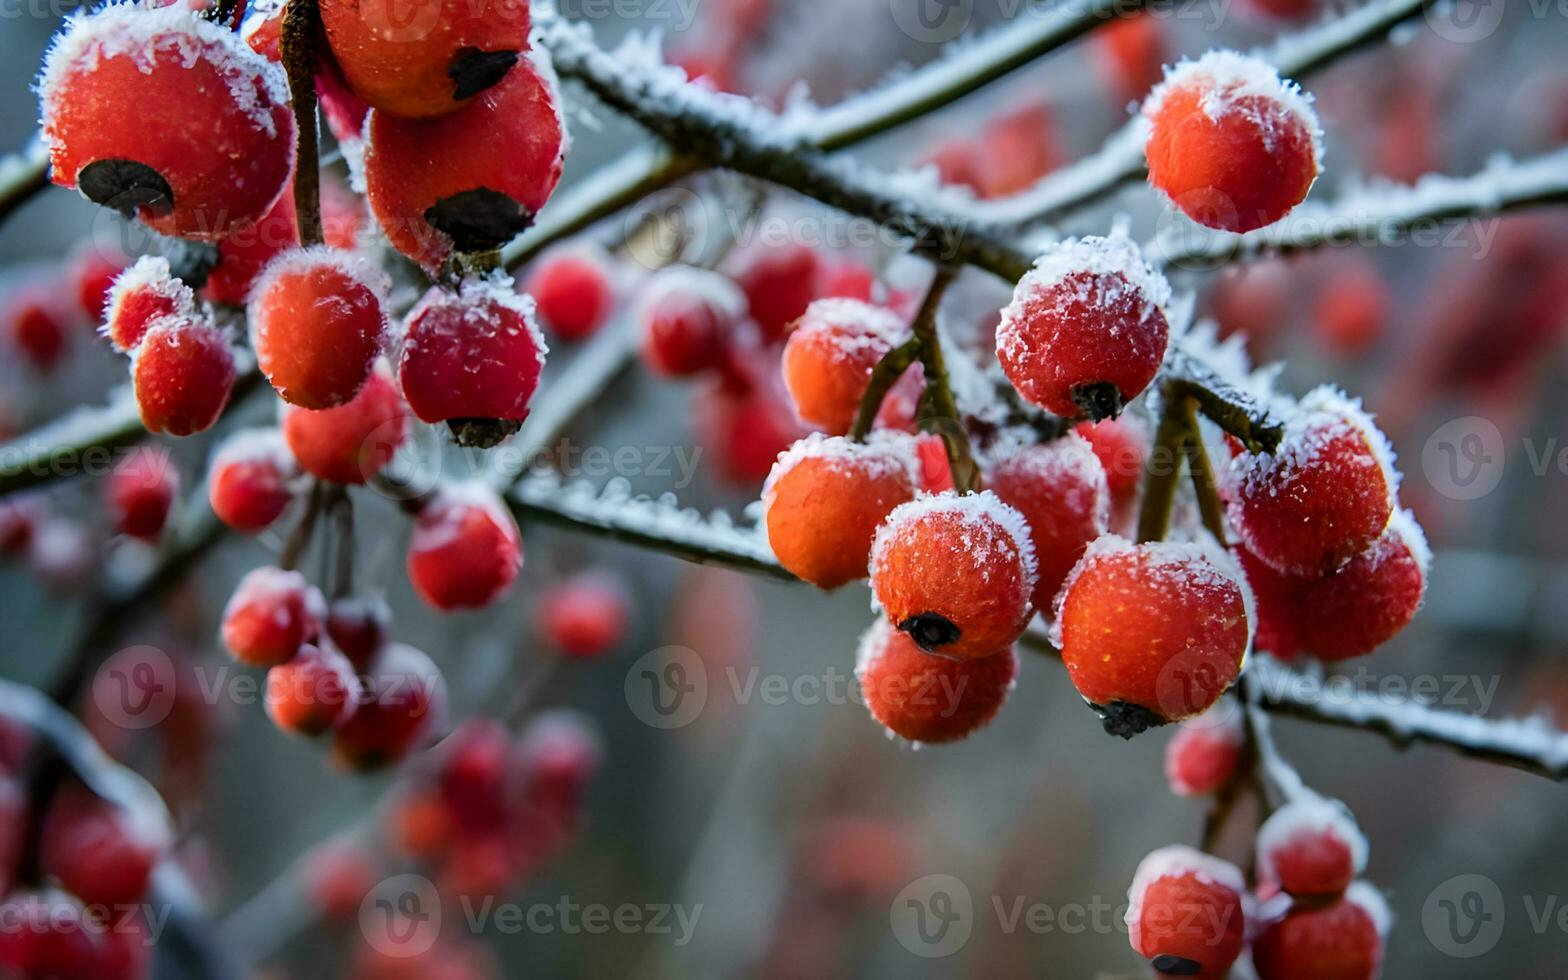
(1338, 569)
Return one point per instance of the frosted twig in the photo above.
(22, 175)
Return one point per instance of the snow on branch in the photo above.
(1380, 213)
(22, 175)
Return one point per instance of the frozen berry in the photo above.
(1152, 633)
(472, 180)
(403, 708)
(1311, 846)
(1323, 496)
(1340, 940)
(182, 373)
(165, 115)
(142, 294)
(359, 625)
(465, 550)
(1131, 51)
(1185, 913)
(584, 616)
(252, 480)
(317, 326)
(1231, 144)
(955, 572)
(745, 432)
(1201, 757)
(353, 442)
(313, 693)
(936, 470)
(779, 283)
(1366, 603)
(35, 322)
(1278, 603)
(93, 271)
(829, 357)
(1122, 445)
(926, 698)
(1017, 148)
(246, 251)
(270, 616)
(1086, 330)
(826, 497)
(1351, 309)
(100, 853)
(1060, 489)
(849, 280)
(474, 354)
(575, 291)
(686, 315)
(141, 491)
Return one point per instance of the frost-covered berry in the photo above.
(140, 295)
(686, 316)
(955, 572)
(1231, 144)
(165, 115)
(574, 289)
(270, 616)
(1122, 444)
(247, 250)
(1323, 496)
(403, 709)
(472, 180)
(1351, 309)
(745, 431)
(1185, 913)
(251, 480)
(849, 279)
(317, 326)
(140, 492)
(474, 354)
(1153, 632)
(1201, 757)
(1086, 330)
(1060, 489)
(92, 273)
(429, 60)
(353, 442)
(1311, 846)
(313, 693)
(584, 616)
(1341, 940)
(182, 373)
(465, 549)
(1277, 605)
(829, 357)
(779, 283)
(358, 625)
(37, 325)
(826, 497)
(926, 698)
(1376, 594)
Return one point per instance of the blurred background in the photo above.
(778, 819)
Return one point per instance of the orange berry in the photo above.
(928, 698)
(317, 326)
(145, 292)
(829, 357)
(353, 442)
(313, 693)
(1363, 605)
(1060, 489)
(271, 615)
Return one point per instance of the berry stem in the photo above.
(299, 540)
(1202, 473)
(301, 22)
(1163, 468)
(946, 421)
(342, 512)
(883, 377)
(1260, 433)
(1244, 781)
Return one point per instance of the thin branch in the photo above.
(883, 377)
(1204, 486)
(946, 421)
(21, 176)
(301, 25)
(1162, 470)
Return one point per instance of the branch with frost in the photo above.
(1120, 160)
(22, 175)
(1378, 214)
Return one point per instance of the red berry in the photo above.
(98, 852)
(49, 936)
(745, 432)
(829, 357)
(141, 492)
(1278, 605)
(338, 876)
(957, 164)
(426, 61)
(1323, 497)
(936, 469)
(1230, 144)
(359, 625)
(927, 698)
(1185, 913)
(825, 499)
(1352, 308)
(1018, 148)
(317, 325)
(252, 480)
(575, 291)
(1342, 940)
(1283, 9)
(1201, 757)
(1161, 627)
(344, 111)
(779, 284)
(475, 778)
(1060, 490)
(404, 708)
(849, 280)
(353, 442)
(465, 550)
(1253, 301)
(182, 373)
(93, 271)
(141, 295)
(126, 953)
(166, 114)
(473, 354)
(473, 179)
(314, 693)
(1086, 330)
(686, 316)
(245, 252)
(584, 616)
(18, 520)
(1366, 603)
(37, 326)
(1131, 50)
(1122, 445)
(270, 616)
(956, 573)
(1311, 846)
